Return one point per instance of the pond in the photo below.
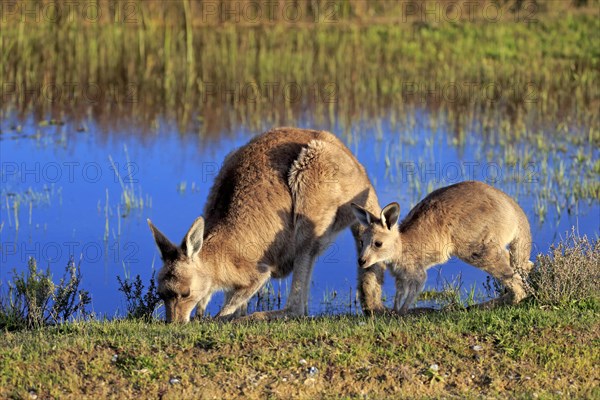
(109, 119)
(85, 189)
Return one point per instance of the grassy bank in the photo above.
(546, 347)
(517, 352)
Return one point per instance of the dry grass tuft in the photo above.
(569, 273)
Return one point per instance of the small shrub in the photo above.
(451, 294)
(139, 305)
(569, 273)
(34, 300)
(493, 287)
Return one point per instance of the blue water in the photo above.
(61, 178)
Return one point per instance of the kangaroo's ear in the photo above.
(390, 214)
(168, 251)
(192, 242)
(363, 216)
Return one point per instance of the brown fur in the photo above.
(470, 220)
(275, 205)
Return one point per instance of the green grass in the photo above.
(546, 347)
(526, 351)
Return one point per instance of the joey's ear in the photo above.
(363, 216)
(168, 251)
(390, 214)
(192, 242)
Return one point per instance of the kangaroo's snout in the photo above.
(362, 262)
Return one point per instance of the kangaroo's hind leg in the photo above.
(312, 236)
(314, 233)
(495, 260)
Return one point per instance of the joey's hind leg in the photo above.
(409, 285)
(496, 261)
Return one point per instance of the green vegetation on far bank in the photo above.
(518, 352)
(525, 86)
(210, 77)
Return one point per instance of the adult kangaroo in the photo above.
(470, 220)
(275, 205)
